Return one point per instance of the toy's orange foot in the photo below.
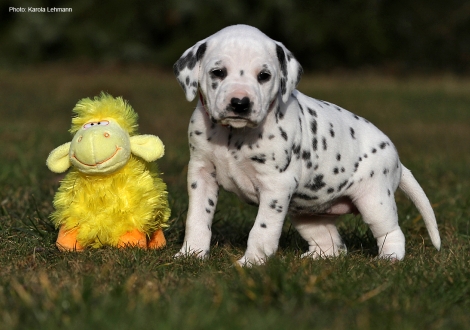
(133, 238)
(67, 240)
(157, 240)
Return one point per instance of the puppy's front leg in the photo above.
(203, 192)
(264, 237)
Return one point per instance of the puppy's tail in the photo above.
(413, 190)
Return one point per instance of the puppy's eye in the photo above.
(263, 76)
(219, 73)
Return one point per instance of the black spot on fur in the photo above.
(388, 192)
(299, 74)
(241, 72)
(197, 132)
(372, 174)
(374, 150)
(305, 155)
(336, 170)
(342, 185)
(208, 211)
(200, 52)
(283, 133)
(215, 85)
(383, 145)
(296, 150)
(351, 130)
(194, 185)
(315, 144)
(211, 202)
(281, 56)
(271, 136)
(300, 107)
(283, 87)
(274, 205)
(312, 112)
(324, 143)
(279, 113)
(338, 157)
(288, 160)
(304, 197)
(263, 225)
(330, 190)
(316, 184)
(313, 127)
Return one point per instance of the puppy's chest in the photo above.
(241, 159)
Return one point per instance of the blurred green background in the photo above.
(398, 36)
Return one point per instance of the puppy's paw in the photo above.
(192, 253)
(250, 261)
(326, 252)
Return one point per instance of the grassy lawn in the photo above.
(41, 288)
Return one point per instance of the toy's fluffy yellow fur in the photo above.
(102, 107)
(102, 208)
(95, 204)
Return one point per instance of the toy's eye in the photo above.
(264, 76)
(95, 123)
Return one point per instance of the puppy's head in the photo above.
(241, 74)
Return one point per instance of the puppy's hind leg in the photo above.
(321, 234)
(379, 212)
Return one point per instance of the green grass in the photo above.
(41, 288)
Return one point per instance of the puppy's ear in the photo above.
(291, 71)
(186, 69)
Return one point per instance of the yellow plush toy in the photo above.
(113, 194)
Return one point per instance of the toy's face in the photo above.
(100, 147)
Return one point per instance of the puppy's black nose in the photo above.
(240, 106)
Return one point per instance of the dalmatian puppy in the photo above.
(255, 135)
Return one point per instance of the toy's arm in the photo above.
(147, 147)
(58, 160)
